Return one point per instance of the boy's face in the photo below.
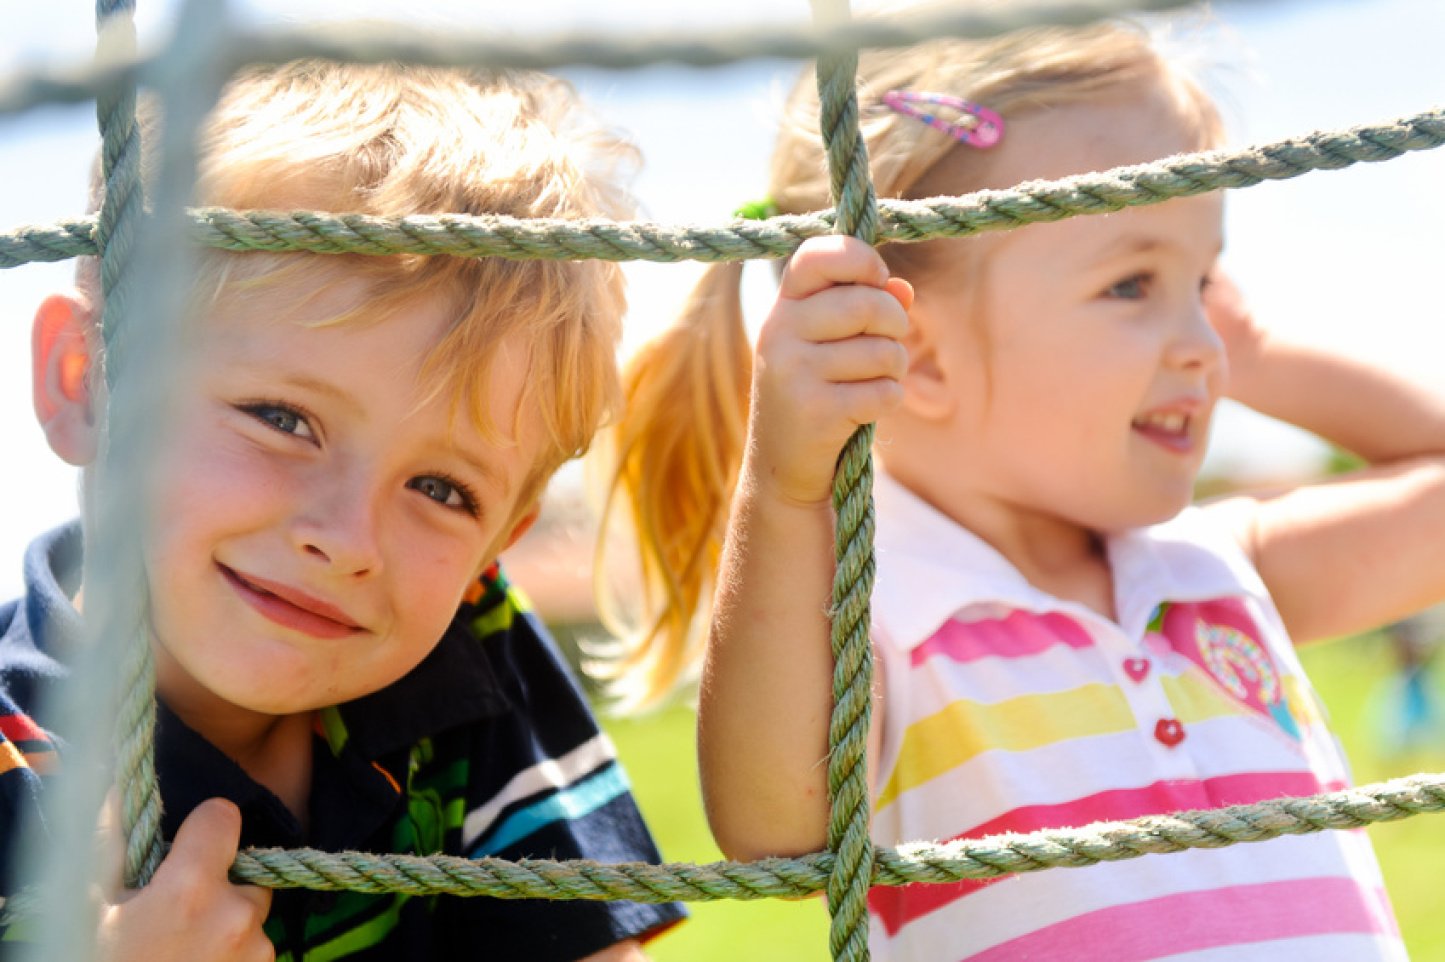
(319, 512)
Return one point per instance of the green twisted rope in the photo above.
(906, 221)
(850, 865)
(121, 212)
(920, 862)
(362, 43)
(849, 815)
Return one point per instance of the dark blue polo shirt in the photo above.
(486, 748)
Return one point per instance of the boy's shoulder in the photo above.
(30, 626)
(43, 619)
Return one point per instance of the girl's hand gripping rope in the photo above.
(829, 359)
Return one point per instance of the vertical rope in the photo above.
(848, 823)
(121, 213)
(123, 205)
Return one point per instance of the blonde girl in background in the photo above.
(1060, 636)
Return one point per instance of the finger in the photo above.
(861, 359)
(204, 849)
(206, 842)
(843, 312)
(258, 896)
(109, 846)
(824, 262)
(864, 402)
(901, 290)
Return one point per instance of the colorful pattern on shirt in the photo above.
(487, 748)
(1017, 712)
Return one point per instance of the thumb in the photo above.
(206, 843)
(902, 290)
(109, 846)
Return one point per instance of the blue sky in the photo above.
(1348, 259)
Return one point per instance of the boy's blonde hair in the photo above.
(678, 445)
(392, 140)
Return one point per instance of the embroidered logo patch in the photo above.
(1221, 638)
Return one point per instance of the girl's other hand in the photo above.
(829, 359)
(1234, 322)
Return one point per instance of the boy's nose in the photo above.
(339, 529)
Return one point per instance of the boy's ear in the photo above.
(926, 391)
(61, 357)
(522, 526)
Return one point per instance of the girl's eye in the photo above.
(445, 491)
(282, 418)
(1131, 288)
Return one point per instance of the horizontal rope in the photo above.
(785, 878)
(492, 236)
(371, 43)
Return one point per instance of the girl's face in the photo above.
(1080, 371)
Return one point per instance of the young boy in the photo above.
(350, 443)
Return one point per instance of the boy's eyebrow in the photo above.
(309, 383)
(486, 469)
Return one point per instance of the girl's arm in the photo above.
(828, 360)
(1356, 551)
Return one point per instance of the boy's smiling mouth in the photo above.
(291, 608)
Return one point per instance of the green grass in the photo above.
(1350, 675)
(658, 751)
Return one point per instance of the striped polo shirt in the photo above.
(1009, 710)
(487, 748)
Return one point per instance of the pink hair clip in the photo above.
(976, 125)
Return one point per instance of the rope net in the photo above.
(851, 864)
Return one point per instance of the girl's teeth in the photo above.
(1172, 423)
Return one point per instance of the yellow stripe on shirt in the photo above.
(949, 738)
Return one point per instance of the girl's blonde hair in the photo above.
(392, 140)
(678, 446)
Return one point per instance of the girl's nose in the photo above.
(1196, 344)
(338, 528)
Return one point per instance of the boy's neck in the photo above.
(275, 750)
(279, 759)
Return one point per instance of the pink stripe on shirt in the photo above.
(895, 907)
(1193, 921)
(1018, 635)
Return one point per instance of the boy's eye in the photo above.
(442, 490)
(285, 419)
(1130, 289)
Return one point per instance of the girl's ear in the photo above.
(61, 358)
(926, 390)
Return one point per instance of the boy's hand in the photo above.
(1243, 339)
(829, 359)
(191, 910)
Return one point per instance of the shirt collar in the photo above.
(930, 568)
(52, 571)
(455, 684)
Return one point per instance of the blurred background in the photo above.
(1350, 259)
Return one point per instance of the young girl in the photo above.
(1060, 637)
